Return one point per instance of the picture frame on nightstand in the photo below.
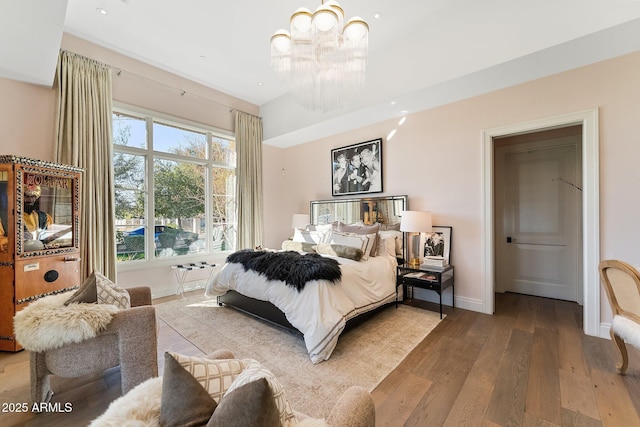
(437, 244)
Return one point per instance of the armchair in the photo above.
(130, 340)
(622, 285)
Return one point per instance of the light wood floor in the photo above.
(527, 365)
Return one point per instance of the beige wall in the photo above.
(436, 159)
(27, 119)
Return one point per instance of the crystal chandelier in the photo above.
(322, 59)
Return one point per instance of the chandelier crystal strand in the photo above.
(321, 59)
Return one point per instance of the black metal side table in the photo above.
(424, 277)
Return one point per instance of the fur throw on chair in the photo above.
(627, 329)
(47, 323)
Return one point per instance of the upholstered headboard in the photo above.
(370, 210)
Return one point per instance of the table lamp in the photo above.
(413, 223)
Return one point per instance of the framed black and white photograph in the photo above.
(437, 243)
(357, 169)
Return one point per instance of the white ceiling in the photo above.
(422, 53)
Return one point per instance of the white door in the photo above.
(538, 215)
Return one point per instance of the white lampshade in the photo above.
(416, 221)
(281, 41)
(299, 221)
(356, 29)
(301, 21)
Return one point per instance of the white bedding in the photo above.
(322, 308)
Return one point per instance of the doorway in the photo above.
(588, 119)
(538, 213)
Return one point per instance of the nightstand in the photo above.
(423, 277)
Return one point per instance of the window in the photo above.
(174, 188)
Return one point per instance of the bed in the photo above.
(322, 308)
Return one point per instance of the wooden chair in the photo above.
(622, 284)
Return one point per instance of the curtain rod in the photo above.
(182, 92)
(231, 110)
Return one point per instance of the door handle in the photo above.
(509, 239)
(72, 259)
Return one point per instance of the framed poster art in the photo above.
(357, 168)
(437, 243)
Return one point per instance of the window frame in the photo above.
(149, 155)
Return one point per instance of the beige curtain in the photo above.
(84, 135)
(249, 180)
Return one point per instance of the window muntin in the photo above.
(183, 176)
(129, 130)
(174, 139)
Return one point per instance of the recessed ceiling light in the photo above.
(260, 83)
(377, 15)
(392, 103)
(102, 11)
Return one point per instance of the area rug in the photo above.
(364, 356)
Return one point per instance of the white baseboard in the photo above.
(461, 302)
(171, 289)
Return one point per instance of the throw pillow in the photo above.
(87, 292)
(255, 371)
(362, 229)
(98, 289)
(250, 405)
(398, 236)
(309, 236)
(184, 401)
(362, 241)
(339, 251)
(216, 376)
(387, 245)
(290, 245)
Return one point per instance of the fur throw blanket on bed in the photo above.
(47, 323)
(293, 268)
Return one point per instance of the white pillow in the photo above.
(398, 239)
(314, 237)
(322, 227)
(363, 242)
(387, 246)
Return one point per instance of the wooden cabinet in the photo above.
(39, 235)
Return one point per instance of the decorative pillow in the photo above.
(339, 251)
(184, 401)
(390, 227)
(322, 228)
(87, 292)
(216, 376)
(313, 237)
(387, 244)
(362, 241)
(362, 229)
(290, 245)
(250, 405)
(98, 289)
(398, 236)
(255, 371)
